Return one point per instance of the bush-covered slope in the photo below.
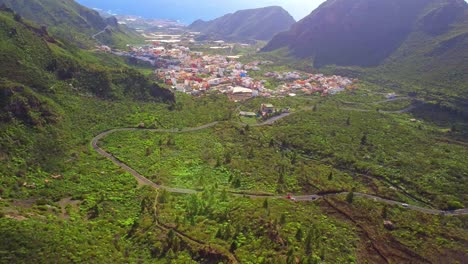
(68, 20)
(251, 24)
(39, 61)
(35, 66)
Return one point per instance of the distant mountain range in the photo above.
(187, 11)
(250, 24)
(68, 20)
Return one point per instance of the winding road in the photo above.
(300, 198)
(100, 32)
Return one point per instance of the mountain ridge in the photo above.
(363, 32)
(421, 50)
(249, 24)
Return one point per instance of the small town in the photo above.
(198, 73)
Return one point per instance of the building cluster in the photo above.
(196, 73)
(305, 83)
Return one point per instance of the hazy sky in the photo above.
(189, 10)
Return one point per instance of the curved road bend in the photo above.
(100, 32)
(301, 198)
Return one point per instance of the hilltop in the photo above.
(70, 21)
(250, 24)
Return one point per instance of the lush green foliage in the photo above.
(62, 202)
(73, 23)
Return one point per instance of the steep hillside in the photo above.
(416, 46)
(68, 20)
(44, 84)
(251, 24)
(365, 32)
(40, 61)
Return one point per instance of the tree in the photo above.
(454, 205)
(364, 140)
(201, 181)
(272, 143)
(93, 212)
(290, 257)
(294, 157)
(281, 178)
(251, 154)
(148, 151)
(308, 243)
(283, 219)
(233, 246)
(170, 256)
(227, 157)
(453, 129)
(163, 196)
(384, 212)
(171, 235)
(299, 234)
(171, 141)
(219, 234)
(350, 197)
(236, 183)
(223, 195)
(17, 17)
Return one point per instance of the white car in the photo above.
(405, 205)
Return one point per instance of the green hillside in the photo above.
(79, 129)
(43, 66)
(70, 21)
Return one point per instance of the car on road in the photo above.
(289, 197)
(405, 205)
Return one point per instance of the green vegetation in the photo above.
(425, 57)
(68, 21)
(60, 201)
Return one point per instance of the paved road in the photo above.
(300, 198)
(380, 102)
(405, 110)
(100, 32)
(272, 120)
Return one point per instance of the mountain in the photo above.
(251, 24)
(68, 20)
(366, 32)
(416, 46)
